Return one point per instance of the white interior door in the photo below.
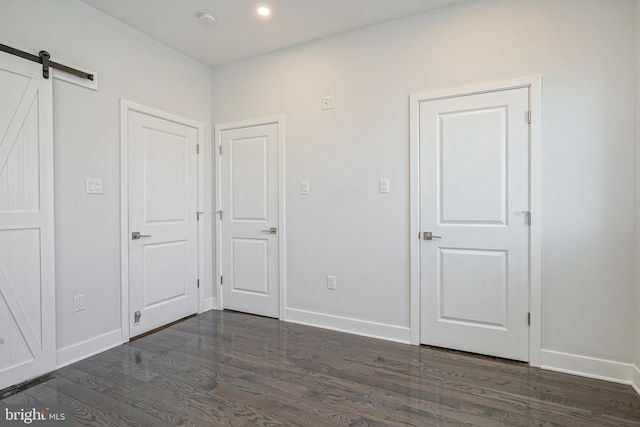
(163, 230)
(27, 293)
(474, 185)
(249, 197)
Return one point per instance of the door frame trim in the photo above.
(125, 107)
(534, 84)
(282, 273)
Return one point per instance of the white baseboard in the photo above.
(209, 304)
(591, 367)
(76, 352)
(352, 326)
(635, 378)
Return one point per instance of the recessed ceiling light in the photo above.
(264, 11)
(207, 18)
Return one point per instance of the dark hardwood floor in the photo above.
(233, 369)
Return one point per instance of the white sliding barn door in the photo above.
(27, 292)
(474, 185)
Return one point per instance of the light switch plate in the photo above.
(384, 185)
(304, 188)
(93, 185)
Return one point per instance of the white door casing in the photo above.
(163, 197)
(250, 237)
(27, 278)
(474, 188)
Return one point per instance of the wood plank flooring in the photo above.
(233, 369)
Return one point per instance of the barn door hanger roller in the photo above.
(44, 60)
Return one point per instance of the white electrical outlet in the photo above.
(328, 102)
(78, 303)
(331, 282)
(304, 188)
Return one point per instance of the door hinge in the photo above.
(198, 281)
(529, 116)
(528, 319)
(528, 214)
(197, 148)
(221, 281)
(220, 150)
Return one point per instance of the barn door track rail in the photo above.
(44, 58)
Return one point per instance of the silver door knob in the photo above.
(428, 235)
(272, 230)
(136, 235)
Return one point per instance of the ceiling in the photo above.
(240, 33)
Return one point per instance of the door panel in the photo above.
(474, 176)
(164, 272)
(163, 263)
(253, 252)
(249, 195)
(473, 170)
(250, 182)
(20, 176)
(473, 287)
(27, 290)
(165, 172)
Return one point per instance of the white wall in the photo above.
(87, 141)
(582, 48)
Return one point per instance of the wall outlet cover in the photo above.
(78, 303)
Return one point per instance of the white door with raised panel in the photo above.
(249, 202)
(27, 290)
(163, 229)
(474, 199)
